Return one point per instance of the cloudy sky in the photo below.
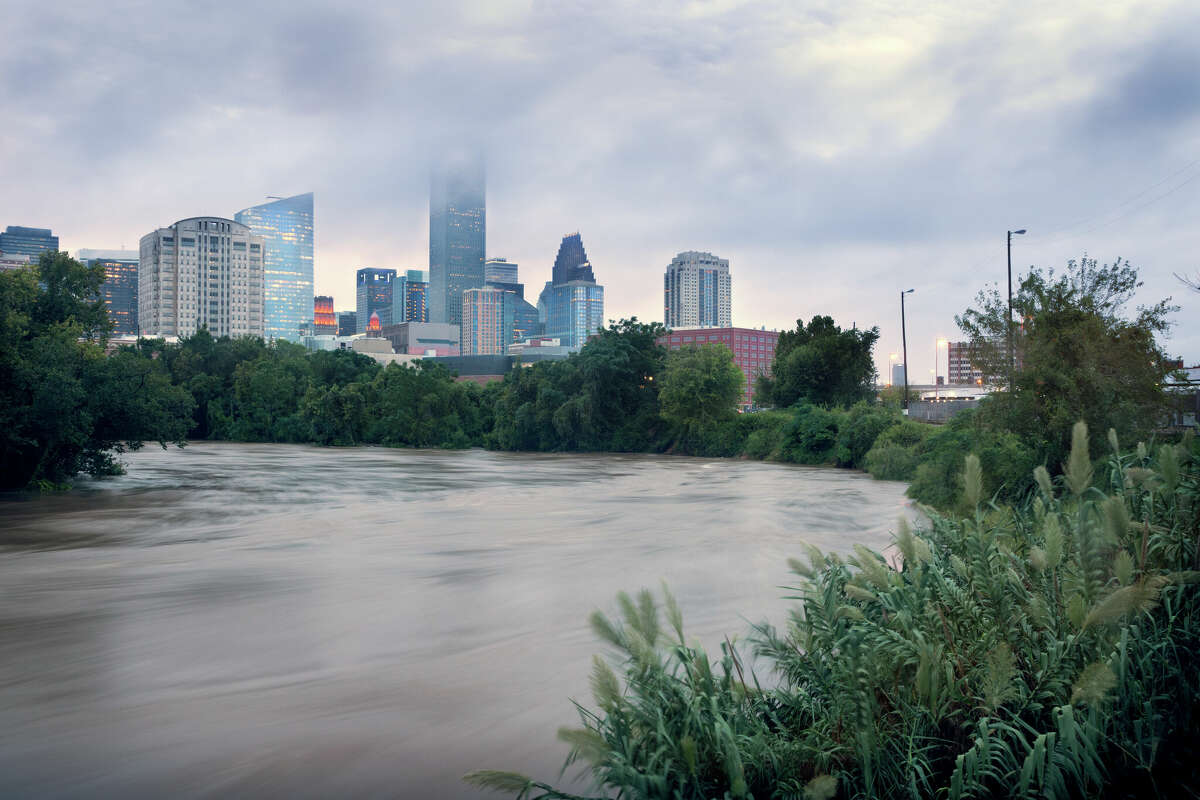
(834, 152)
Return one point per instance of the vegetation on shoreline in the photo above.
(1043, 650)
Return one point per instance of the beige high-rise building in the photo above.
(696, 292)
(201, 272)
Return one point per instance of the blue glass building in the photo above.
(286, 227)
(374, 296)
(120, 287)
(457, 234)
(410, 297)
(571, 306)
(32, 242)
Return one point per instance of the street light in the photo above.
(904, 343)
(1011, 356)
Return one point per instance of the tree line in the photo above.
(67, 408)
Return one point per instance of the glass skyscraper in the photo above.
(32, 242)
(374, 296)
(572, 304)
(286, 227)
(120, 288)
(457, 233)
(410, 297)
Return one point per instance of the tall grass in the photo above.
(1048, 651)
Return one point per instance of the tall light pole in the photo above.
(1011, 353)
(904, 342)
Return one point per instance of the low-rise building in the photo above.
(423, 338)
(753, 349)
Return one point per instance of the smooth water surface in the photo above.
(271, 620)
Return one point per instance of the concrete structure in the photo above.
(20, 241)
(960, 370)
(374, 294)
(380, 350)
(542, 348)
(481, 369)
(571, 306)
(753, 349)
(325, 321)
(120, 289)
(286, 228)
(457, 236)
(696, 292)
(487, 321)
(410, 297)
(423, 338)
(13, 262)
(201, 272)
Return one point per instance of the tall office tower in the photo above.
(410, 297)
(325, 322)
(897, 374)
(286, 227)
(201, 272)
(487, 321)
(457, 235)
(347, 323)
(959, 365)
(120, 286)
(696, 292)
(572, 304)
(374, 294)
(500, 270)
(32, 242)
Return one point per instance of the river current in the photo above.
(274, 620)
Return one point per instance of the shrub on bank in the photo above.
(861, 428)
(1050, 650)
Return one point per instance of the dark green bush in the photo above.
(1007, 461)
(811, 436)
(891, 462)
(862, 426)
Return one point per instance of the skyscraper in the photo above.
(120, 286)
(457, 237)
(487, 321)
(410, 297)
(32, 242)
(347, 323)
(374, 295)
(571, 307)
(201, 272)
(286, 228)
(325, 322)
(500, 270)
(696, 291)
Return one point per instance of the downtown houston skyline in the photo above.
(835, 156)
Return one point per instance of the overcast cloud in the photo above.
(834, 152)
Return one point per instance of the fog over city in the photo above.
(835, 152)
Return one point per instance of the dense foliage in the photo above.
(1051, 650)
(821, 363)
(1077, 355)
(65, 407)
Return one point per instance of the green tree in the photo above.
(822, 364)
(66, 407)
(700, 390)
(1079, 355)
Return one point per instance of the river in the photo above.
(275, 620)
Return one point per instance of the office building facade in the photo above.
(201, 272)
(696, 291)
(410, 297)
(325, 321)
(286, 228)
(499, 270)
(120, 287)
(487, 321)
(16, 240)
(571, 306)
(374, 296)
(753, 350)
(960, 368)
(457, 237)
(347, 323)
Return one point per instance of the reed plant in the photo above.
(1043, 651)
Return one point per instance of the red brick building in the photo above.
(753, 350)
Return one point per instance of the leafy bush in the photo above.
(812, 435)
(1007, 461)
(1046, 651)
(892, 462)
(863, 424)
(766, 434)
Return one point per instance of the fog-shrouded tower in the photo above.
(457, 235)
(696, 292)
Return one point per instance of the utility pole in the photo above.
(1012, 360)
(904, 342)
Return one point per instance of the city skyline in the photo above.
(886, 168)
